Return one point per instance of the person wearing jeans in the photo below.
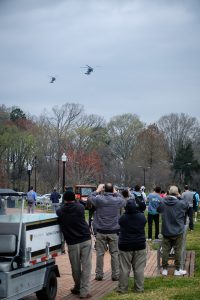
(154, 200)
(55, 196)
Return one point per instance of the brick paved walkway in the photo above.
(100, 288)
(65, 282)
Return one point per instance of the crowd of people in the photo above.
(119, 227)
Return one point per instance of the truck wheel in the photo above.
(50, 290)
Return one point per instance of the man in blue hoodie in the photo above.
(173, 213)
(154, 201)
(132, 247)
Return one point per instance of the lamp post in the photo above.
(35, 165)
(144, 174)
(77, 173)
(29, 176)
(64, 159)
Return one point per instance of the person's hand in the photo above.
(100, 188)
(114, 190)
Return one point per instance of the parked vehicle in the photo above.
(29, 245)
(82, 191)
(41, 198)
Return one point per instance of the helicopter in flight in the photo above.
(89, 70)
(53, 78)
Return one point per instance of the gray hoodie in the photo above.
(173, 213)
(107, 211)
(188, 196)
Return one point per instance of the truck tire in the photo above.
(50, 290)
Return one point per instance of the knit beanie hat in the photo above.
(131, 206)
(69, 196)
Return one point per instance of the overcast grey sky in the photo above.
(148, 52)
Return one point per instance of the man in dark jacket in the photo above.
(107, 203)
(55, 196)
(132, 247)
(71, 217)
(173, 213)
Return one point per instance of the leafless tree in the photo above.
(179, 130)
(149, 164)
(86, 140)
(55, 128)
(123, 131)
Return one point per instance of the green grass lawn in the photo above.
(170, 287)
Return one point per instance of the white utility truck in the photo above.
(29, 244)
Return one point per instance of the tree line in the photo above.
(123, 150)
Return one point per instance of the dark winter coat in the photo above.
(132, 228)
(55, 196)
(71, 217)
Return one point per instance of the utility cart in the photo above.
(29, 244)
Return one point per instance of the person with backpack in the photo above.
(195, 204)
(31, 200)
(139, 199)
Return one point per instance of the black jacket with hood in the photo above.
(71, 217)
(132, 224)
(173, 213)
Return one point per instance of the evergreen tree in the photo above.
(17, 114)
(185, 164)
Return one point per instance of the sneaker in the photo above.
(165, 272)
(149, 239)
(180, 272)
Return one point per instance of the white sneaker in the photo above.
(183, 272)
(180, 272)
(165, 272)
